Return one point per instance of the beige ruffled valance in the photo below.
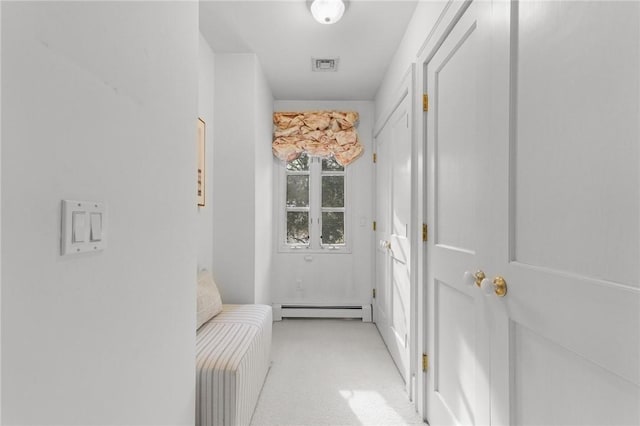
(319, 134)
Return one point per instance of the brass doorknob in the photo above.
(479, 276)
(498, 286)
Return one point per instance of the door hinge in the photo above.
(375, 157)
(425, 102)
(425, 362)
(425, 232)
(374, 225)
(374, 293)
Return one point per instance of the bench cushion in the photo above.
(232, 359)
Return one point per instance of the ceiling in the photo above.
(285, 37)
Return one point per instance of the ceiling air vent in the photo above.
(324, 64)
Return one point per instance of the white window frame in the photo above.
(315, 211)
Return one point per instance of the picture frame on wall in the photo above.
(201, 162)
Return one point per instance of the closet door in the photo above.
(382, 299)
(393, 213)
(533, 159)
(566, 228)
(458, 152)
(400, 247)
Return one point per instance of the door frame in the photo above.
(407, 88)
(449, 17)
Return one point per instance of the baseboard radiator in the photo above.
(281, 311)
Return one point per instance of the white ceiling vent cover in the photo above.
(324, 64)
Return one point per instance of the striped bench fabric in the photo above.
(233, 353)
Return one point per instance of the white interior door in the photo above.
(536, 180)
(382, 304)
(457, 140)
(394, 248)
(566, 336)
(400, 250)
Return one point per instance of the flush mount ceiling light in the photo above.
(327, 11)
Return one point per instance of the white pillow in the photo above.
(209, 301)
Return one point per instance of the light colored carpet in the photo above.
(332, 372)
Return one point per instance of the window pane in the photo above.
(298, 191)
(299, 165)
(297, 227)
(332, 228)
(333, 191)
(330, 164)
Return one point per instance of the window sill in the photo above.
(309, 250)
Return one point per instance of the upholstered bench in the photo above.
(233, 351)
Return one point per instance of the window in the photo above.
(314, 201)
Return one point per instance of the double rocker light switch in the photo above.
(83, 227)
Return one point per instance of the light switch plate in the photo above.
(82, 210)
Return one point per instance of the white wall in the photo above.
(233, 178)
(422, 22)
(204, 221)
(264, 219)
(99, 102)
(0, 218)
(334, 278)
(243, 105)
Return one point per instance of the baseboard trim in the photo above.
(321, 311)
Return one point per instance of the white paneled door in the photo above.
(457, 149)
(533, 160)
(393, 213)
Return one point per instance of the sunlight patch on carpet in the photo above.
(369, 405)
